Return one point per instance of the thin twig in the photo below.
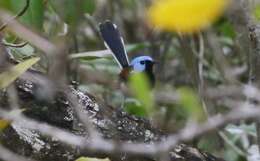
(24, 9)
(28, 35)
(145, 149)
(223, 66)
(201, 58)
(20, 45)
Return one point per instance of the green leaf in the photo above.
(25, 51)
(89, 6)
(91, 159)
(33, 15)
(256, 12)
(141, 89)
(227, 29)
(5, 4)
(130, 4)
(134, 107)
(9, 76)
(231, 155)
(71, 11)
(189, 100)
(209, 142)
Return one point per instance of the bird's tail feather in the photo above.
(114, 42)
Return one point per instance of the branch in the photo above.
(137, 138)
(107, 146)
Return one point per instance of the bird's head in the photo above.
(142, 63)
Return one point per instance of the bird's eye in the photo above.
(142, 62)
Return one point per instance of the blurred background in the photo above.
(198, 73)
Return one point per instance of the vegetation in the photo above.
(206, 93)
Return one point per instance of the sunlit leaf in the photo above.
(189, 100)
(140, 87)
(91, 159)
(7, 77)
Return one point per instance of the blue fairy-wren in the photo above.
(115, 43)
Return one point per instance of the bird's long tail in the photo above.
(114, 42)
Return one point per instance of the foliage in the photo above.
(192, 66)
(7, 77)
(33, 16)
(257, 12)
(142, 90)
(73, 9)
(190, 102)
(4, 124)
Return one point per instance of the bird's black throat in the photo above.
(149, 72)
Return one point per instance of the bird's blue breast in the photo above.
(137, 65)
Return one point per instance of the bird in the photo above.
(115, 43)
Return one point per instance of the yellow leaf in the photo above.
(7, 77)
(91, 159)
(4, 124)
(185, 16)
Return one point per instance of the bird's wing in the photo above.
(114, 41)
